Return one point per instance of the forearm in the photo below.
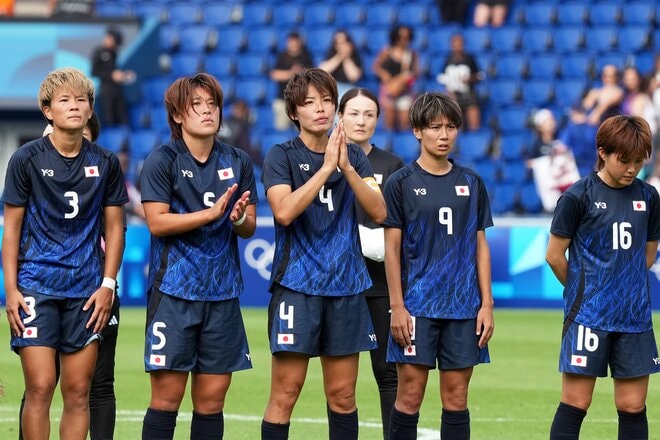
(114, 250)
(249, 225)
(331, 64)
(352, 71)
(393, 266)
(484, 271)
(165, 224)
(287, 208)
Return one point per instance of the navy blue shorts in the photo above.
(319, 325)
(589, 352)
(451, 344)
(195, 336)
(55, 322)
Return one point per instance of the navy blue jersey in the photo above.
(607, 285)
(439, 217)
(60, 247)
(202, 264)
(319, 252)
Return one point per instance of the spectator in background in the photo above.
(491, 12)
(343, 62)
(235, 131)
(397, 68)
(636, 101)
(293, 60)
(599, 104)
(460, 74)
(453, 10)
(112, 107)
(654, 87)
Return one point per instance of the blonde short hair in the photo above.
(65, 78)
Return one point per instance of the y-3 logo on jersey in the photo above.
(304, 166)
(600, 205)
(420, 191)
(187, 173)
(49, 173)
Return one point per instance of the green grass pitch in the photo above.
(512, 398)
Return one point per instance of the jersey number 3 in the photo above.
(73, 202)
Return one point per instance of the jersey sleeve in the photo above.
(362, 165)
(394, 202)
(653, 233)
(17, 181)
(567, 216)
(156, 179)
(276, 168)
(485, 216)
(116, 193)
(247, 178)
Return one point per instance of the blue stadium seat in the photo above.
(505, 39)
(576, 65)
(185, 64)
(439, 39)
(539, 14)
(573, 13)
(113, 10)
(606, 13)
(476, 39)
(513, 147)
(600, 38)
(381, 14)
(231, 40)
(474, 145)
(382, 139)
(319, 14)
(538, 92)
(274, 137)
(168, 37)
(319, 39)
(153, 89)
(639, 13)
(504, 198)
(512, 119)
(489, 171)
(530, 201)
(619, 59)
(251, 66)
(514, 170)
(262, 39)
(568, 39)
(287, 15)
(184, 13)
(196, 38)
(512, 66)
(264, 117)
(569, 92)
(414, 15)
(158, 119)
(142, 142)
(256, 14)
(405, 146)
(253, 91)
(645, 61)
(349, 14)
(218, 14)
(150, 10)
(378, 38)
(536, 40)
(633, 38)
(360, 35)
(544, 66)
(114, 138)
(219, 65)
(503, 92)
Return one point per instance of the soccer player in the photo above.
(198, 195)
(61, 190)
(609, 221)
(312, 183)
(102, 402)
(359, 111)
(437, 263)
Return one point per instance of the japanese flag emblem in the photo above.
(285, 338)
(578, 361)
(157, 359)
(639, 205)
(226, 173)
(30, 332)
(462, 190)
(92, 171)
(410, 351)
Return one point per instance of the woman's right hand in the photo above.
(401, 326)
(16, 302)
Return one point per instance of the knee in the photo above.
(40, 391)
(341, 398)
(455, 398)
(286, 395)
(630, 405)
(409, 399)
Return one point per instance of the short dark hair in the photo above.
(296, 89)
(394, 33)
(629, 137)
(179, 96)
(429, 106)
(94, 127)
(357, 91)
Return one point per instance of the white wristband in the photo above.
(109, 283)
(241, 220)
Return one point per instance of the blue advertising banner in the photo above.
(521, 277)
